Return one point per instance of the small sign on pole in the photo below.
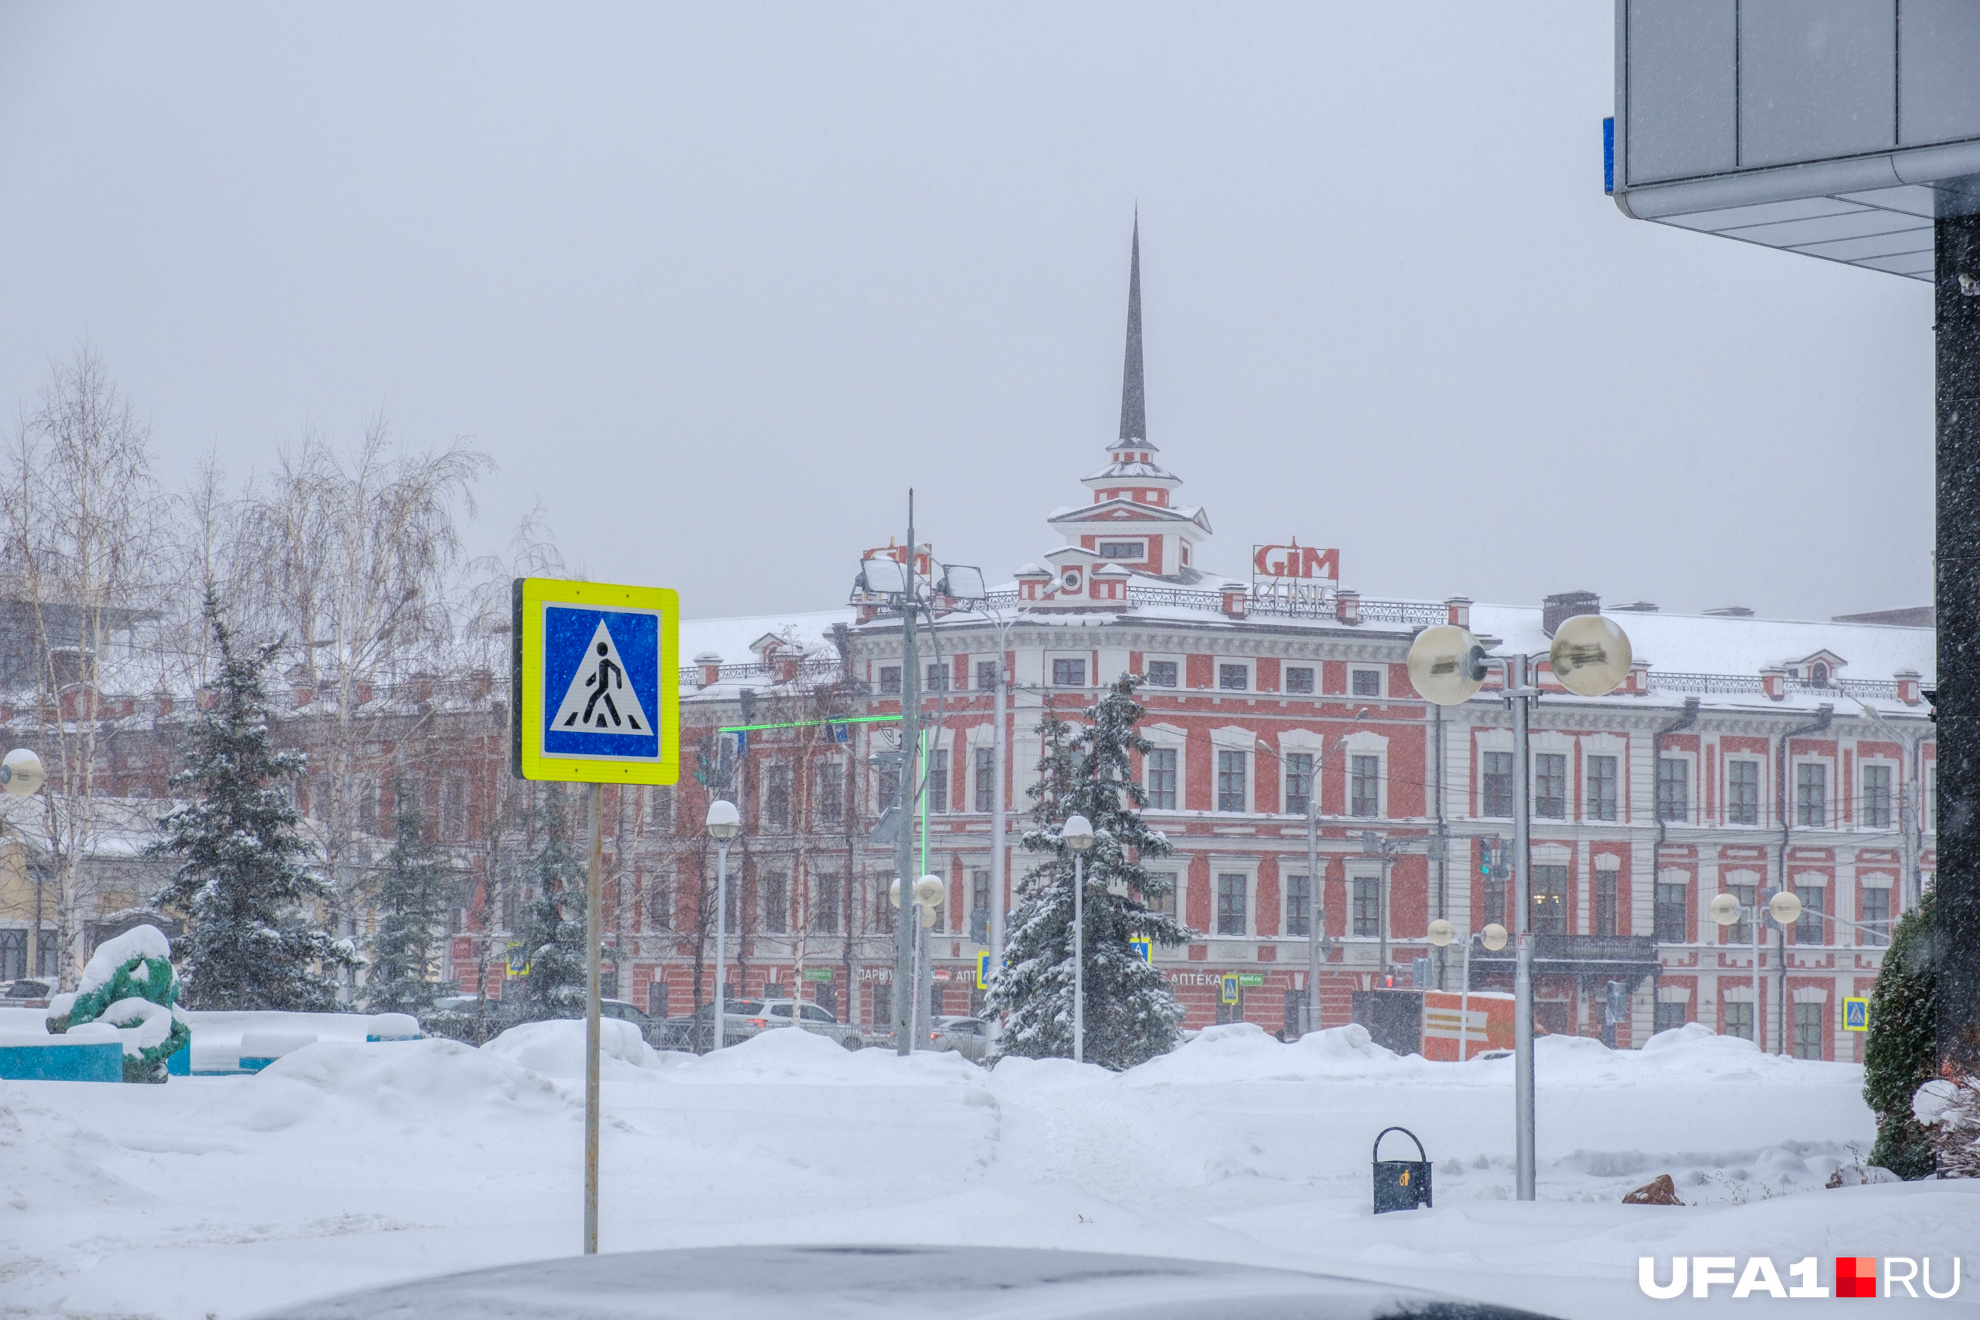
(594, 675)
(983, 970)
(1230, 989)
(1144, 949)
(1856, 1013)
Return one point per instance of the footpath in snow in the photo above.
(346, 1164)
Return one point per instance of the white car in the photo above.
(967, 1036)
(777, 1013)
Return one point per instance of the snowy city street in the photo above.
(347, 1165)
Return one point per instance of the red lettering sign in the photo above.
(1296, 561)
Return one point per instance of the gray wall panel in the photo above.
(1817, 79)
(1681, 114)
(1938, 71)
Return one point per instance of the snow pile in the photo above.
(274, 1044)
(435, 1083)
(792, 1055)
(216, 1036)
(1245, 1052)
(556, 1048)
(391, 1026)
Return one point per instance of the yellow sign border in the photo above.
(527, 597)
(1856, 999)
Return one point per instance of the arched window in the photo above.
(1818, 674)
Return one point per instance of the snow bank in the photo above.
(442, 1082)
(556, 1048)
(1245, 1052)
(793, 1055)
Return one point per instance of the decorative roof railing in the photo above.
(1666, 680)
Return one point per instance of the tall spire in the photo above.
(1134, 415)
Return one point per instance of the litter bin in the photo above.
(1400, 1184)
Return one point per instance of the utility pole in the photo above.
(906, 925)
(1521, 695)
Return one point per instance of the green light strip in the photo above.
(807, 724)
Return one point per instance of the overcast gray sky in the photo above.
(718, 282)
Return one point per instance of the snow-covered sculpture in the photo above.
(129, 985)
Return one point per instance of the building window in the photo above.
(364, 795)
(1230, 781)
(1367, 906)
(1366, 682)
(1123, 550)
(1602, 784)
(453, 808)
(888, 787)
(776, 904)
(656, 999)
(979, 906)
(1671, 1016)
(1162, 779)
(825, 904)
(1671, 925)
(1876, 917)
(1605, 902)
(832, 792)
(1069, 673)
(937, 773)
(777, 795)
(1495, 898)
(1876, 813)
(1810, 928)
(938, 678)
(1550, 785)
(1673, 789)
(1739, 1020)
(1811, 794)
(1549, 900)
(1160, 895)
(1497, 788)
(890, 680)
(1299, 678)
(986, 778)
(660, 902)
(1234, 678)
(660, 803)
(1230, 905)
(1299, 905)
(1162, 673)
(1930, 799)
(1808, 1030)
(1742, 792)
(1365, 786)
(1299, 782)
(986, 675)
(1741, 931)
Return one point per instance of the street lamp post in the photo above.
(1590, 655)
(22, 775)
(1785, 908)
(724, 823)
(1078, 834)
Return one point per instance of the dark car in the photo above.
(890, 1283)
(26, 994)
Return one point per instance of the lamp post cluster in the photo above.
(1590, 655)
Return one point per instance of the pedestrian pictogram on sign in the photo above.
(1856, 1013)
(598, 698)
(596, 682)
(1230, 990)
(983, 970)
(1144, 949)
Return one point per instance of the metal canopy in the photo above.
(1838, 129)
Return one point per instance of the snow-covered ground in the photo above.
(346, 1165)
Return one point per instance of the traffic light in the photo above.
(1486, 859)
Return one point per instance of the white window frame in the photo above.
(1233, 864)
(1291, 867)
(1830, 786)
(1086, 661)
(1250, 667)
(1365, 742)
(1601, 744)
(1762, 810)
(1318, 669)
(1381, 673)
(1897, 792)
(1169, 738)
(1358, 869)
(1181, 662)
(1230, 738)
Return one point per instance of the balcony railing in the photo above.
(1573, 955)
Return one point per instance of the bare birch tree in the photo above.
(84, 526)
(353, 558)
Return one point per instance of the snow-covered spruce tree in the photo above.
(243, 882)
(1131, 1015)
(413, 893)
(1902, 1052)
(552, 927)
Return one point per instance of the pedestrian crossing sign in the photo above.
(1230, 990)
(1856, 1013)
(594, 682)
(983, 969)
(1144, 949)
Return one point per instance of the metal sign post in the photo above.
(594, 688)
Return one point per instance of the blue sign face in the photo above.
(601, 683)
(1856, 1015)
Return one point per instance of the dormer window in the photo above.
(1818, 674)
(1070, 579)
(1123, 550)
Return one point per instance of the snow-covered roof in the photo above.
(1715, 644)
(731, 638)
